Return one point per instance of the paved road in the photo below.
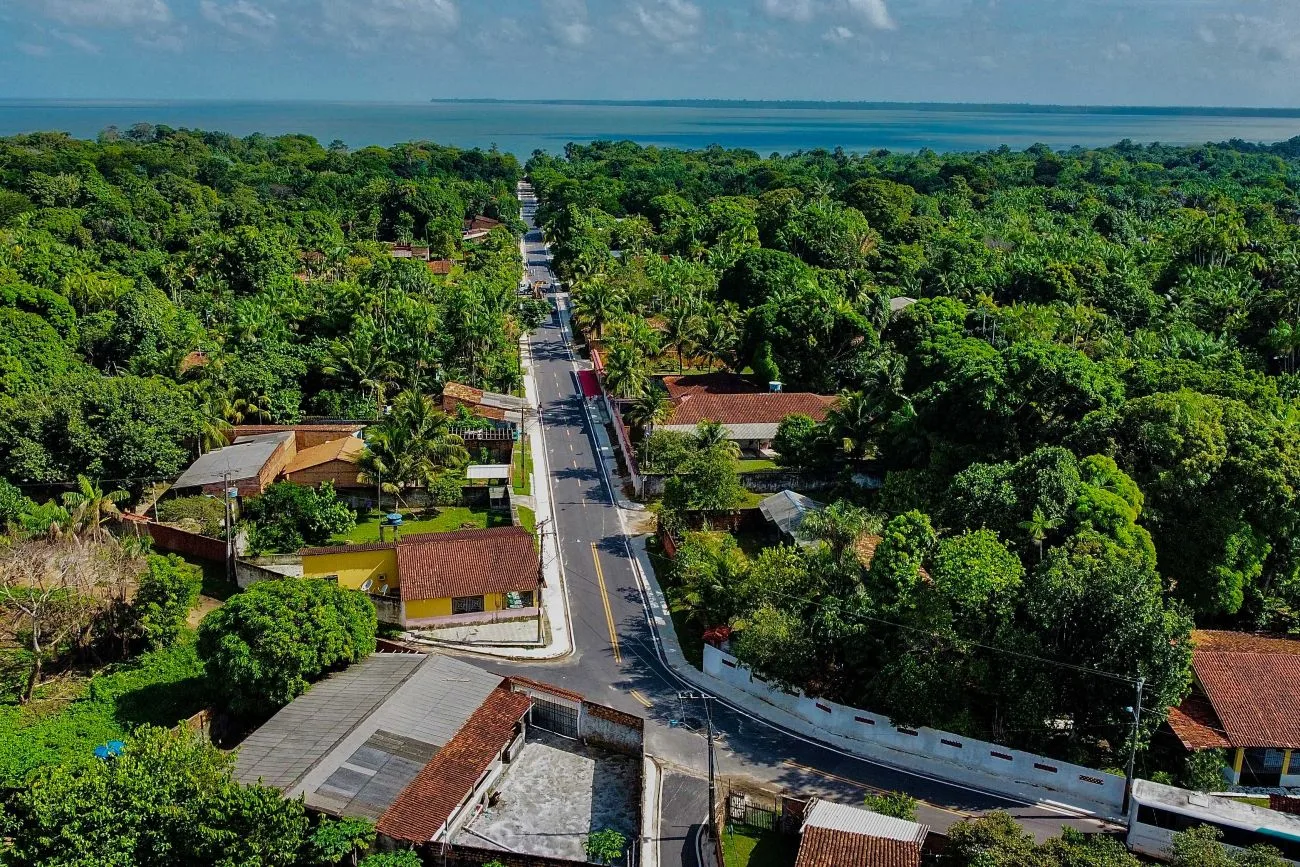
(614, 661)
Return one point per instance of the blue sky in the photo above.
(1202, 52)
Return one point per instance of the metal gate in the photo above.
(555, 714)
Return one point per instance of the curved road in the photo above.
(615, 663)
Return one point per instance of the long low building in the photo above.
(419, 744)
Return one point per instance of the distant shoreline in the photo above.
(795, 104)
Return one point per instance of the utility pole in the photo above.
(1133, 745)
(230, 546)
(713, 776)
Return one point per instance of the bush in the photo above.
(605, 847)
(445, 489)
(287, 517)
(13, 503)
(266, 645)
(167, 798)
(1203, 771)
(207, 515)
(404, 858)
(166, 594)
(897, 804)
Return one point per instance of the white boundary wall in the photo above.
(990, 766)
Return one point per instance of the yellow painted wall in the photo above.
(354, 567)
(417, 609)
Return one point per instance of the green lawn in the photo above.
(528, 520)
(523, 460)
(755, 465)
(743, 846)
(448, 518)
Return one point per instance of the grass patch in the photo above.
(523, 461)
(67, 719)
(754, 465)
(745, 846)
(528, 520)
(448, 518)
(690, 632)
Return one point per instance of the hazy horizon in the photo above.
(1132, 53)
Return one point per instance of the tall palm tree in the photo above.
(625, 372)
(359, 361)
(90, 505)
(1039, 527)
(859, 418)
(653, 407)
(719, 333)
(683, 329)
(596, 303)
(214, 427)
(410, 446)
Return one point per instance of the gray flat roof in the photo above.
(744, 431)
(487, 471)
(787, 509)
(842, 817)
(242, 460)
(354, 741)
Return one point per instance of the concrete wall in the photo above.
(758, 482)
(249, 572)
(611, 729)
(998, 768)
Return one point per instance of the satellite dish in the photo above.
(383, 589)
(367, 584)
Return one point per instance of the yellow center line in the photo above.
(609, 612)
(636, 694)
(837, 778)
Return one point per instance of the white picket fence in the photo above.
(990, 766)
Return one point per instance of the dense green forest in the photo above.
(1086, 426)
(158, 285)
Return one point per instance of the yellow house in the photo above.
(439, 579)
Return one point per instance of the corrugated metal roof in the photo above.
(243, 460)
(487, 471)
(787, 510)
(357, 739)
(290, 744)
(841, 817)
(747, 431)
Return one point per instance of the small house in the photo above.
(1245, 700)
(750, 413)
(334, 461)
(432, 580)
(484, 404)
(250, 464)
(786, 511)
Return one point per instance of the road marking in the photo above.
(609, 612)
(636, 694)
(864, 787)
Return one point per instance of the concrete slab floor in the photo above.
(508, 632)
(555, 793)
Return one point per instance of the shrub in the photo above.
(206, 515)
(445, 489)
(897, 804)
(267, 644)
(605, 847)
(167, 592)
(287, 517)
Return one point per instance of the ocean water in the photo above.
(522, 128)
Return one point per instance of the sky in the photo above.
(1099, 52)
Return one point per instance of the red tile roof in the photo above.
(717, 382)
(440, 266)
(466, 563)
(1252, 684)
(765, 408)
(826, 847)
(463, 392)
(450, 776)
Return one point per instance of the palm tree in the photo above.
(651, 408)
(719, 333)
(856, 421)
(625, 372)
(89, 505)
(214, 427)
(359, 361)
(596, 303)
(683, 328)
(410, 446)
(714, 435)
(1039, 526)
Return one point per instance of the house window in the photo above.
(526, 597)
(466, 604)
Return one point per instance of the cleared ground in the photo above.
(555, 793)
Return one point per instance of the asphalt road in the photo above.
(614, 660)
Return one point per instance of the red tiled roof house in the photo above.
(433, 580)
(750, 414)
(1245, 700)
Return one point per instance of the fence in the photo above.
(756, 482)
(181, 541)
(990, 766)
